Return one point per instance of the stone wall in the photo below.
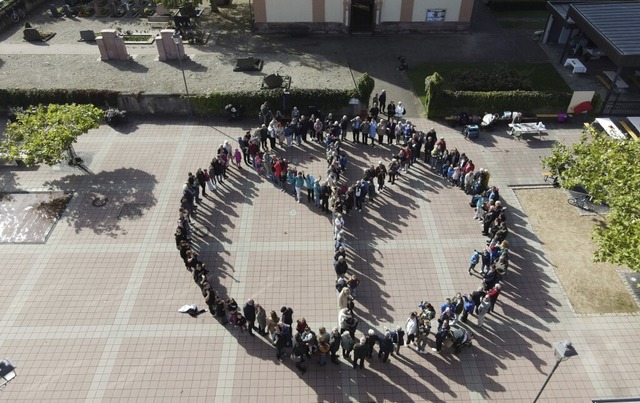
(298, 29)
(421, 27)
(154, 104)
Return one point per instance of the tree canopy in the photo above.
(45, 133)
(609, 170)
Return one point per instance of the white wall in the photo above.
(420, 8)
(333, 10)
(578, 98)
(289, 11)
(391, 10)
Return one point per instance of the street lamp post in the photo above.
(176, 40)
(563, 351)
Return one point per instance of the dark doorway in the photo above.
(362, 16)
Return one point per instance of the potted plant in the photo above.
(114, 116)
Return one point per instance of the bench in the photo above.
(87, 36)
(628, 130)
(248, 64)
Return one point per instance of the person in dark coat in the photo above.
(283, 339)
(334, 345)
(477, 297)
(391, 110)
(382, 100)
(372, 339)
(287, 315)
(441, 336)
(360, 351)
(386, 347)
(249, 311)
(340, 266)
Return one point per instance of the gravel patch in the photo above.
(65, 62)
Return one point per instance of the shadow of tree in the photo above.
(127, 127)
(8, 179)
(107, 198)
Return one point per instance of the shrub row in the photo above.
(14, 97)
(207, 105)
(441, 102)
(323, 99)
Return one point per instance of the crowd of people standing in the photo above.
(333, 195)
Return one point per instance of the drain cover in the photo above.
(99, 201)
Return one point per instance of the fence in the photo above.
(621, 108)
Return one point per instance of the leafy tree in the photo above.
(608, 169)
(45, 134)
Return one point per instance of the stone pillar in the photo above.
(377, 12)
(167, 49)
(346, 13)
(112, 46)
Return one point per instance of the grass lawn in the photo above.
(566, 237)
(523, 24)
(543, 76)
(522, 19)
(538, 14)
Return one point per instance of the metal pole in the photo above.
(547, 380)
(182, 68)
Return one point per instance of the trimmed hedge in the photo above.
(14, 97)
(207, 105)
(323, 99)
(214, 103)
(441, 102)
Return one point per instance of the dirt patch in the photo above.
(566, 237)
(30, 217)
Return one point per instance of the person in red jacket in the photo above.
(493, 296)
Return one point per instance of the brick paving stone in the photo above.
(99, 300)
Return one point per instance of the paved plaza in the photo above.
(92, 314)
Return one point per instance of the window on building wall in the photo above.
(436, 15)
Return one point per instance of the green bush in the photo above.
(327, 100)
(18, 97)
(474, 102)
(440, 102)
(364, 87)
(432, 87)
